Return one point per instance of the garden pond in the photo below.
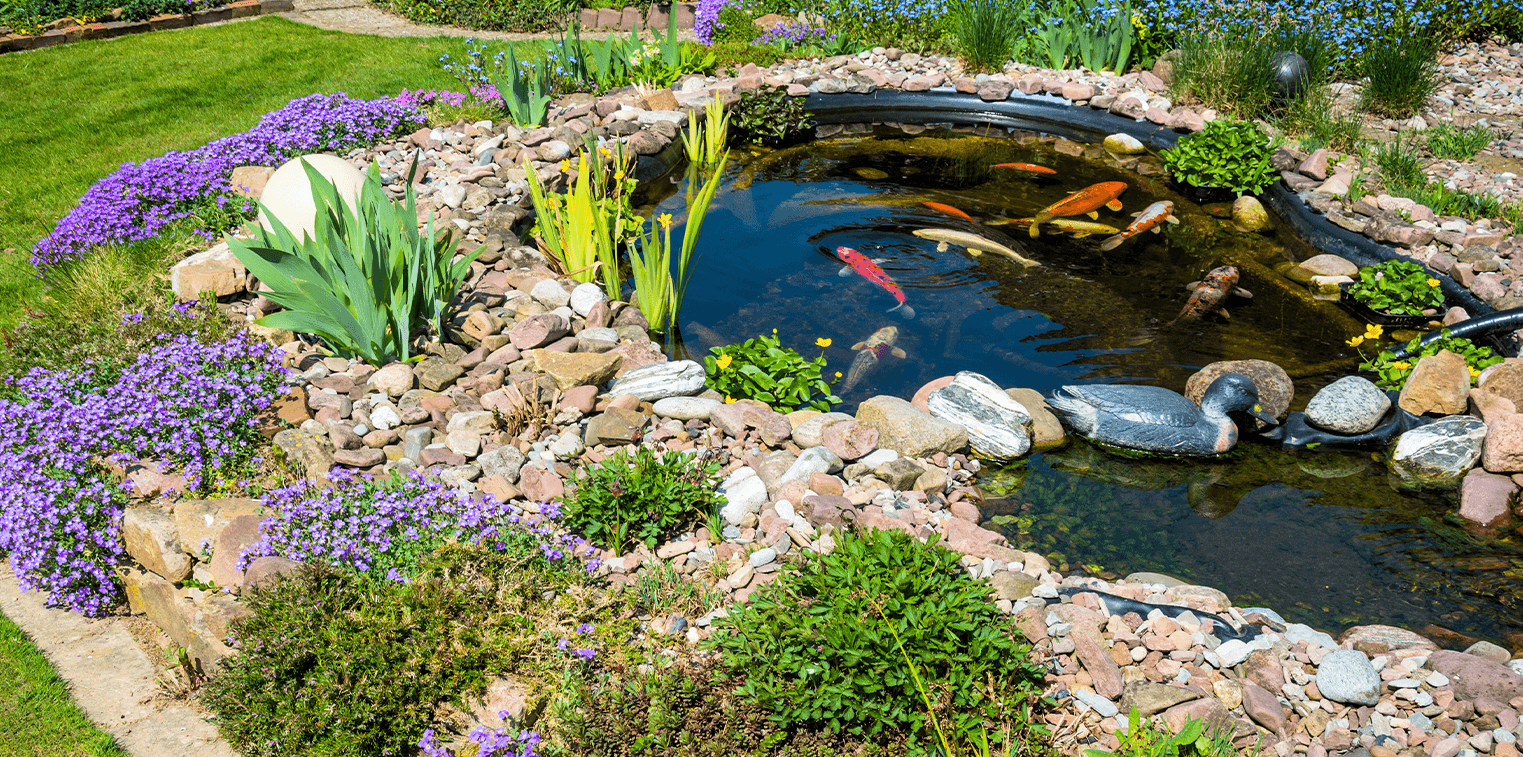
(1325, 538)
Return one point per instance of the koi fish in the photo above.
(1209, 294)
(1150, 218)
(870, 352)
(976, 244)
(1086, 201)
(1079, 229)
(869, 269)
(1027, 167)
(948, 209)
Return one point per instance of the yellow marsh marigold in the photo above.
(724, 361)
(665, 219)
(822, 342)
(1434, 282)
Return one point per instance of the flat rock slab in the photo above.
(111, 678)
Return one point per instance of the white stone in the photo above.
(586, 296)
(384, 416)
(811, 461)
(744, 495)
(878, 457)
(288, 194)
(996, 423)
(661, 380)
(1232, 652)
(685, 408)
(551, 293)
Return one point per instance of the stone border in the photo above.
(631, 19)
(13, 43)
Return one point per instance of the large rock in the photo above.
(1504, 380)
(505, 461)
(394, 379)
(263, 570)
(287, 196)
(1274, 385)
(435, 374)
(744, 495)
(904, 429)
(1477, 677)
(995, 423)
(1439, 384)
(199, 521)
(538, 331)
(240, 533)
(1503, 451)
(1046, 430)
(1439, 453)
(571, 369)
(1379, 640)
(1346, 675)
(216, 270)
(1351, 405)
(615, 426)
(312, 455)
(679, 378)
(811, 432)
(809, 462)
(850, 440)
(153, 540)
(1263, 707)
(1152, 698)
(1486, 498)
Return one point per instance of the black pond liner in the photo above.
(1051, 115)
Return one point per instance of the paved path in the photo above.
(111, 678)
(362, 17)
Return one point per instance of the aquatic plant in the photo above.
(1397, 287)
(1393, 373)
(660, 289)
(583, 228)
(1230, 154)
(768, 116)
(760, 368)
(705, 142)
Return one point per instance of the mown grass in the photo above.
(37, 717)
(75, 113)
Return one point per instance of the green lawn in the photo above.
(37, 717)
(74, 113)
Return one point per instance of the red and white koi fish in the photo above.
(1151, 217)
(869, 269)
(948, 209)
(1027, 167)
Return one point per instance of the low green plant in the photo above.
(1143, 738)
(841, 640)
(1392, 373)
(584, 228)
(1230, 154)
(366, 281)
(1399, 162)
(1402, 75)
(1455, 143)
(705, 142)
(659, 289)
(730, 56)
(641, 497)
(1402, 172)
(984, 30)
(525, 88)
(736, 24)
(768, 116)
(660, 590)
(664, 60)
(760, 368)
(1397, 287)
(1098, 35)
(1317, 123)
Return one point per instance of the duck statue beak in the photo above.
(1258, 412)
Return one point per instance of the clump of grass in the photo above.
(1316, 121)
(1399, 162)
(1236, 73)
(661, 590)
(1401, 171)
(1402, 75)
(983, 30)
(1455, 143)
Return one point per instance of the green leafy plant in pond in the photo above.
(705, 138)
(659, 290)
(1233, 155)
(642, 497)
(844, 641)
(1143, 738)
(1397, 287)
(1402, 73)
(584, 228)
(760, 368)
(1455, 143)
(1392, 373)
(768, 116)
(366, 281)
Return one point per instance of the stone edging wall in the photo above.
(109, 29)
(630, 19)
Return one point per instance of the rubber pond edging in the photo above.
(1053, 115)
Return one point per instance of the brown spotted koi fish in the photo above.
(870, 352)
(1209, 294)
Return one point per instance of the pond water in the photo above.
(1322, 537)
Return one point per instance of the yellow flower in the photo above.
(724, 361)
(838, 374)
(1373, 331)
(774, 331)
(566, 165)
(1474, 372)
(665, 219)
(1401, 365)
(1356, 341)
(618, 175)
(1433, 282)
(822, 342)
(728, 399)
(605, 152)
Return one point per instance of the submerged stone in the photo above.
(1439, 453)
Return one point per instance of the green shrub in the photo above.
(1229, 154)
(1398, 287)
(1455, 143)
(760, 368)
(736, 25)
(984, 31)
(516, 16)
(367, 282)
(733, 55)
(875, 635)
(642, 497)
(1317, 122)
(339, 664)
(1402, 75)
(911, 24)
(1144, 738)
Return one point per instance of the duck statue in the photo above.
(1154, 419)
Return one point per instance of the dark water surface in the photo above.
(1322, 537)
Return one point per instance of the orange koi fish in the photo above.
(1086, 201)
(948, 209)
(869, 269)
(1027, 167)
(1150, 218)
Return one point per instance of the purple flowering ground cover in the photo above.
(191, 404)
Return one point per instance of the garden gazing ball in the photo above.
(1291, 74)
(288, 193)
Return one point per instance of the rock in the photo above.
(551, 293)
(1489, 651)
(1097, 661)
(1012, 585)
(1378, 639)
(152, 539)
(1250, 214)
(1503, 451)
(1263, 707)
(310, 454)
(1124, 144)
(1346, 675)
(1316, 165)
(1351, 405)
(504, 462)
(615, 426)
(995, 423)
(571, 369)
(744, 495)
(540, 485)
(811, 431)
(1439, 384)
(638, 355)
(1232, 653)
(263, 570)
(1504, 380)
(394, 380)
(850, 440)
(809, 462)
(1486, 498)
(585, 297)
(918, 400)
(287, 195)
(1046, 430)
(1329, 265)
(1150, 698)
(198, 521)
(661, 380)
(216, 270)
(1102, 706)
(900, 473)
(538, 330)
(1477, 677)
(435, 374)
(249, 181)
(1274, 385)
(908, 431)
(685, 408)
(1439, 453)
(240, 534)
